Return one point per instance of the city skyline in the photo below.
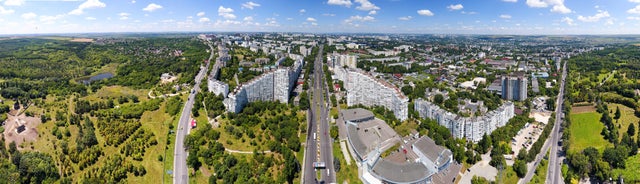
(323, 16)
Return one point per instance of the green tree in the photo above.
(520, 167)
(615, 156)
(581, 164)
(522, 154)
(631, 130)
(484, 144)
(601, 170)
(334, 132)
(617, 114)
(194, 162)
(36, 167)
(438, 99)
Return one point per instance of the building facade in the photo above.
(471, 128)
(366, 90)
(514, 87)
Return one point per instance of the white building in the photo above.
(471, 128)
(218, 87)
(366, 90)
(341, 60)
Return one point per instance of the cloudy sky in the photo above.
(370, 16)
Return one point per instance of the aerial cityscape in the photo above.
(324, 91)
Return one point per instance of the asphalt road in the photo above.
(554, 170)
(180, 170)
(554, 173)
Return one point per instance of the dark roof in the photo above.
(358, 114)
(407, 172)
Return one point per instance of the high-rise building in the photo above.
(514, 87)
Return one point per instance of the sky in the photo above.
(323, 16)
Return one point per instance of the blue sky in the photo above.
(377, 16)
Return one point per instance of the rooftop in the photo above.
(406, 172)
(358, 114)
(369, 135)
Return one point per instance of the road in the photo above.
(556, 155)
(180, 170)
(319, 147)
(554, 170)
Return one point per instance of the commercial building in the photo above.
(383, 156)
(514, 87)
(364, 89)
(471, 128)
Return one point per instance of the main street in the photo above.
(180, 170)
(555, 160)
(553, 172)
(318, 130)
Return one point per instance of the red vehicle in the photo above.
(193, 123)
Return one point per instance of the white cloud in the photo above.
(425, 12)
(89, 4)
(469, 13)
(373, 12)
(302, 11)
(635, 10)
(557, 5)
(346, 3)
(203, 19)
(314, 24)
(152, 7)
(14, 2)
(124, 16)
(634, 1)
(289, 19)
(50, 19)
(227, 13)
(248, 18)
(329, 14)
(633, 18)
(505, 16)
(594, 18)
(200, 14)
(358, 18)
(365, 5)
(560, 9)
(133, 2)
(29, 15)
(455, 7)
(250, 5)
(510, 1)
(90, 18)
(567, 20)
(311, 19)
(405, 18)
(5, 11)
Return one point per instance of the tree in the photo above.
(615, 156)
(520, 167)
(497, 160)
(631, 130)
(581, 164)
(522, 154)
(438, 99)
(194, 162)
(334, 132)
(617, 114)
(601, 170)
(36, 167)
(484, 144)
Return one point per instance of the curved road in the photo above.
(180, 170)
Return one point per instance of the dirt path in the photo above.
(244, 152)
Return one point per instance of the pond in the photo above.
(100, 76)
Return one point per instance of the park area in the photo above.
(585, 129)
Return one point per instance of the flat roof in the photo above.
(357, 114)
(406, 172)
(437, 154)
(366, 136)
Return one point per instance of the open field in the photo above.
(87, 40)
(585, 131)
(627, 117)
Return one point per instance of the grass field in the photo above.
(347, 173)
(626, 118)
(507, 176)
(541, 172)
(631, 173)
(585, 131)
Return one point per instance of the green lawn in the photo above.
(507, 176)
(631, 171)
(347, 173)
(585, 131)
(541, 172)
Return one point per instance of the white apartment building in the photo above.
(218, 87)
(341, 60)
(366, 90)
(471, 128)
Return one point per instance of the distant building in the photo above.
(341, 60)
(367, 90)
(514, 87)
